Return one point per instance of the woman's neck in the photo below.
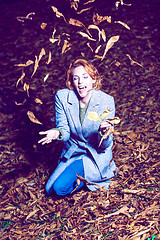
(84, 101)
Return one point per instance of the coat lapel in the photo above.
(73, 107)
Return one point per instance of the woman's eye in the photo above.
(75, 78)
(85, 77)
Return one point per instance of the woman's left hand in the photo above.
(104, 126)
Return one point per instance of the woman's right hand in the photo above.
(51, 134)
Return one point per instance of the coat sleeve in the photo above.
(108, 141)
(61, 118)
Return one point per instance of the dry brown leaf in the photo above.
(53, 40)
(88, 44)
(109, 44)
(114, 120)
(35, 66)
(32, 213)
(21, 78)
(29, 62)
(19, 104)
(26, 88)
(77, 23)
(105, 113)
(33, 118)
(90, 1)
(97, 49)
(42, 53)
(103, 34)
(97, 19)
(49, 58)
(21, 19)
(84, 10)
(37, 100)
(43, 25)
(92, 26)
(106, 134)
(123, 24)
(46, 77)
(86, 36)
(132, 61)
(74, 4)
(90, 183)
(58, 14)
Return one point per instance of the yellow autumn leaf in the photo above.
(33, 118)
(86, 36)
(105, 113)
(114, 120)
(93, 116)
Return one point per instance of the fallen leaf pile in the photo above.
(40, 50)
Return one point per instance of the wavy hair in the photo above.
(89, 68)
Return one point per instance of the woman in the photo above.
(81, 136)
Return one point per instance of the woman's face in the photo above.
(82, 82)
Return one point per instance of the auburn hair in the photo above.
(89, 68)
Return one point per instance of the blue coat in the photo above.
(81, 141)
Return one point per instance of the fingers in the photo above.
(45, 140)
(43, 132)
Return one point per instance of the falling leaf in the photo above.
(86, 36)
(117, 63)
(90, 1)
(84, 10)
(97, 19)
(58, 14)
(26, 88)
(92, 26)
(64, 46)
(19, 104)
(103, 34)
(49, 57)
(46, 77)
(21, 78)
(42, 53)
(21, 19)
(123, 24)
(35, 66)
(74, 4)
(132, 61)
(53, 40)
(33, 118)
(93, 116)
(109, 44)
(43, 25)
(77, 23)
(97, 49)
(88, 44)
(29, 62)
(37, 100)
(105, 113)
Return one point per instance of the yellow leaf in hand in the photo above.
(93, 116)
(114, 120)
(104, 114)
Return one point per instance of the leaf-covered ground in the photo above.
(130, 209)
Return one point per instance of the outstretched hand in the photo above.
(51, 134)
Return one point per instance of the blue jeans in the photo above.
(67, 180)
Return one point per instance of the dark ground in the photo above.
(26, 213)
